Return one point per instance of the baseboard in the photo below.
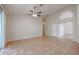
(76, 41)
(23, 38)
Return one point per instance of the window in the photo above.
(66, 15)
(65, 25)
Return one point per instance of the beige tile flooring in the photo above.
(41, 46)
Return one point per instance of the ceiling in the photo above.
(24, 9)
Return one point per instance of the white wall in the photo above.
(23, 27)
(77, 22)
(49, 26)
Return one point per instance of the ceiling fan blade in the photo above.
(39, 12)
(34, 7)
(31, 11)
(39, 15)
(41, 4)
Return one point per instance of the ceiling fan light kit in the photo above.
(35, 13)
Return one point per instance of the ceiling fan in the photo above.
(35, 13)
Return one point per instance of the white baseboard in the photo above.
(76, 40)
(23, 38)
